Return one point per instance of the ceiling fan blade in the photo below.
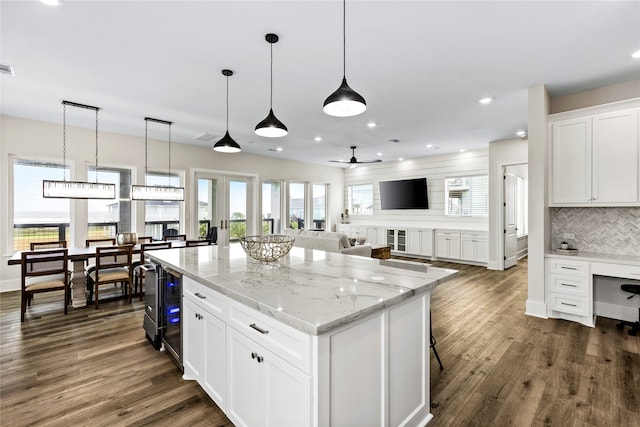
(370, 161)
(338, 161)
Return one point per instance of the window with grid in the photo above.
(467, 195)
(36, 219)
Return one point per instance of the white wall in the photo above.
(435, 169)
(43, 140)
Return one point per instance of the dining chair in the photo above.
(212, 235)
(138, 273)
(108, 241)
(45, 270)
(48, 245)
(145, 239)
(113, 265)
(198, 243)
(175, 237)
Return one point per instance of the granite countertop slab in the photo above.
(312, 291)
(633, 260)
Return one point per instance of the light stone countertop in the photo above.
(312, 291)
(632, 260)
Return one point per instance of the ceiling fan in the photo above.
(353, 161)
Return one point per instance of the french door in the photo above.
(224, 202)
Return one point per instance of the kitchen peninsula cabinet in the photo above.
(594, 157)
(316, 339)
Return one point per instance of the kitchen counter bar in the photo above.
(312, 291)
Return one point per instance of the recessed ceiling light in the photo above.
(378, 154)
(371, 124)
(317, 139)
(485, 100)
(636, 54)
(462, 150)
(400, 159)
(51, 2)
(279, 149)
(521, 133)
(429, 145)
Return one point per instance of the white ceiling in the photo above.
(421, 65)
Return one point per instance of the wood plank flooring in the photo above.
(501, 368)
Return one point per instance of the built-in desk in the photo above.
(570, 280)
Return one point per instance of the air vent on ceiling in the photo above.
(394, 140)
(7, 69)
(206, 137)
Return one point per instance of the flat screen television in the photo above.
(404, 194)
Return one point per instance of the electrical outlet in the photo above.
(568, 236)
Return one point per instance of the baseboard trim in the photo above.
(9, 285)
(536, 309)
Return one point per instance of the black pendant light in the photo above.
(227, 144)
(271, 127)
(345, 101)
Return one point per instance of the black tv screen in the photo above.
(404, 194)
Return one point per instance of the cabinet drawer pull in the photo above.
(254, 355)
(568, 268)
(258, 328)
(569, 284)
(200, 296)
(570, 305)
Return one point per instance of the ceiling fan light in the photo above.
(271, 127)
(227, 145)
(344, 102)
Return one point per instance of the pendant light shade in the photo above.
(77, 189)
(227, 144)
(271, 127)
(344, 102)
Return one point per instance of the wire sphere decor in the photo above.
(269, 247)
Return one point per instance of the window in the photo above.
(161, 215)
(296, 205)
(36, 219)
(467, 195)
(271, 207)
(238, 191)
(319, 196)
(107, 218)
(360, 200)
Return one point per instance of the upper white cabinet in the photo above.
(594, 159)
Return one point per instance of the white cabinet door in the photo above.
(615, 157)
(376, 235)
(420, 242)
(193, 353)
(571, 161)
(246, 404)
(442, 247)
(214, 379)
(426, 242)
(413, 242)
(264, 390)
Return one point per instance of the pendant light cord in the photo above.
(271, 96)
(227, 103)
(344, 38)
(96, 146)
(146, 131)
(64, 142)
(169, 154)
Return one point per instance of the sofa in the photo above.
(326, 241)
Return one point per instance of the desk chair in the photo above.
(113, 265)
(635, 326)
(43, 271)
(138, 273)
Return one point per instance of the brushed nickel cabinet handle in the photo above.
(569, 284)
(570, 305)
(200, 295)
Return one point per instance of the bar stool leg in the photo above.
(432, 343)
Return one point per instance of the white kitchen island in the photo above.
(316, 339)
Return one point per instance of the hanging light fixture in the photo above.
(344, 102)
(156, 192)
(227, 144)
(77, 189)
(271, 127)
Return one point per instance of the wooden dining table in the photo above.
(78, 256)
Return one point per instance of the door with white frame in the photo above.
(510, 218)
(224, 201)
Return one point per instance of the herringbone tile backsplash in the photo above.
(604, 230)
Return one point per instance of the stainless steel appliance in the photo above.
(163, 309)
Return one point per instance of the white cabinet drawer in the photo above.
(572, 285)
(443, 233)
(573, 268)
(616, 270)
(569, 304)
(290, 344)
(477, 235)
(208, 299)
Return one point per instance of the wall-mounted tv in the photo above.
(404, 194)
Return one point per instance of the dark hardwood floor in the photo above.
(501, 368)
